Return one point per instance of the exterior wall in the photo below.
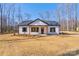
(46, 30)
(20, 30)
(56, 30)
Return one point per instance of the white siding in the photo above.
(38, 22)
(37, 33)
(56, 30)
(20, 30)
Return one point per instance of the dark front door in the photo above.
(42, 30)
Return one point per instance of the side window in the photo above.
(24, 29)
(52, 29)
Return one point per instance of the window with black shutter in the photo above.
(24, 29)
(52, 29)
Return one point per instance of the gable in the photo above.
(38, 22)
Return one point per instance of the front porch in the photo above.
(38, 30)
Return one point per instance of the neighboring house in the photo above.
(38, 26)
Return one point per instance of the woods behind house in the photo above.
(67, 17)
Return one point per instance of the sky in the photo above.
(35, 8)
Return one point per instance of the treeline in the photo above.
(11, 15)
(68, 17)
(66, 14)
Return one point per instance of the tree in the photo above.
(45, 15)
(19, 14)
(13, 18)
(41, 15)
(1, 12)
(76, 25)
(68, 15)
(8, 17)
(58, 13)
(27, 16)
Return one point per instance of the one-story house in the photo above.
(38, 26)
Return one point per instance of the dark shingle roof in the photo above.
(25, 22)
(50, 23)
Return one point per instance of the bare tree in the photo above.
(58, 13)
(19, 14)
(8, 17)
(67, 9)
(27, 16)
(1, 12)
(76, 17)
(41, 15)
(48, 15)
(45, 15)
(13, 17)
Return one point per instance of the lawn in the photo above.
(34, 46)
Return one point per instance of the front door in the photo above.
(42, 30)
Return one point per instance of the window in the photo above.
(24, 29)
(52, 29)
(34, 29)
